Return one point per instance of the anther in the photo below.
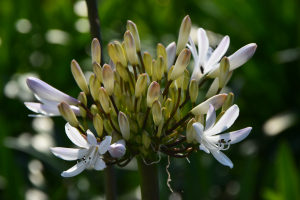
(223, 141)
(202, 69)
(229, 140)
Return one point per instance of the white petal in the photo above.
(122, 141)
(104, 145)
(203, 44)
(193, 49)
(217, 101)
(225, 122)
(42, 109)
(69, 154)
(99, 164)
(76, 110)
(222, 158)
(117, 150)
(199, 130)
(210, 117)
(75, 170)
(203, 148)
(45, 101)
(217, 54)
(241, 56)
(91, 138)
(76, 137)
(171, 52)
(233, 137)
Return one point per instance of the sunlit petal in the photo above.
(99, 164)
(76, 137)
(222, 158)
(104, 145)
(69, 154)
(91, 138)
(232, 137)
(210, 117)
(75, 170)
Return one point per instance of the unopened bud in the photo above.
(79, 77)
(98, 124)
(169, 107)
(117, 149)
(124, 125)
(193, 89)
(179, 81)
(129, 102)
(104, 99)
(124, 49)
(200, 119)
(154, 69)
(181, 64)
(98, 71)
(184, 34)
(115, 137)
(229, 102)
(146, 139)
(116, 76)
(223, 72)
(133, 29)
(171, 51)
(96, 51)
(161, 100)
(148, 63)
(94, 109)
(156, 112)
(153, 93)
(134, 126)
(140, 119)
(217, 101)
(108, 127)
(120, 53)
(160, 127)
(161, 51)
(108, 79)
(111, 53)
(219, 116)
(186, 79)
(94, 87)
(190, 131)
(159, 68)
(122, 72)
(68, 114)
(177, 115)
(140, 85)
(117, 90)
(130, 48)
(82, 98)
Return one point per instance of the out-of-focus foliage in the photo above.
(40, 38)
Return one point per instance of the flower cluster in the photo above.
(139, 104)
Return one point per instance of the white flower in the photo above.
(86, 157)
(206, 59)
(117, 150)
(47, 108)
(211, 142)
(171, 52)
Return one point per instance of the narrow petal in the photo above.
(210, 117)
(69, 153)
(171, 52)
(232, 137)
(104, 145)
(203, 148)
(42, 109)
(241, 56)
(45, 101)
(75, 170)
(217, 101)
(222, 158)
(225, 122)
(203, 44)
(217, 54)
(199, 130)
(76, 137)
(91, 138)
(99, 164)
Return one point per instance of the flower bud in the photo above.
(161, 51)
(159, 68)
(111, 53)
(170, 72)
(171, 52)
(96, 51)
(122, 72)
(146, 139)
(124, 49)
(219, 116)
(120, 53)
(169, 107)
(217, 101)
(161, 100)
(184, 34)
(130, 48)
(181, 64)
(68, 114)
(140, 119)
(179, 81)
(134, 127)
(140, 85)
(108, 127)
(223, 72)
(104, 99)
(133, 29)
(190, 131)
(148, 63)
(177, 115)
(98, 124)
(94, 86)
(229, 102)
(98, 71)
(124, 125)
(79, 77)
(94, 109)
(129, 103)
(154, 69)
(193, 89)
(200, 119)
(153, 93)
(186, 79)
(117, 90)
(108, 79)
(156, 112)
(115, 137)
(82, 98)
(117, 150)
(116, 76)
(160, 127)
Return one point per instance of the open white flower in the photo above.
(47, 108)
(206, 59)
(86, 157)
(211, 142)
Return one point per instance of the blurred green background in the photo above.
(40, 38)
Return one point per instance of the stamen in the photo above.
(227, 147)
(201, 69)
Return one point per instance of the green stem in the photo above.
(148, 179)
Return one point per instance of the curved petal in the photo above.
(232, 137)
(203, 45)
(117, 150)
(203, 148)
(91, 138)
(241, 56)
(69, 153)
(171, 52)
(99, 164)
(104, 145)
(210, 117)
(122, 141)
(42, 109)
(222, 158)
(76, 137)
(217, 101)
(46, 101)
(199, 130)
(75, 170)
(225, 122)
(217, 54)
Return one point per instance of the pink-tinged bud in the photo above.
(133, 29)
(96, 51)
(181, 64)
(117, 150)
(104, 99)
(124, 125)
(108, 79)
(184, 34)
(217, 101)
(153, 93)
(68, 114)
(171, 52)
(130, 48)
(48, 92)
